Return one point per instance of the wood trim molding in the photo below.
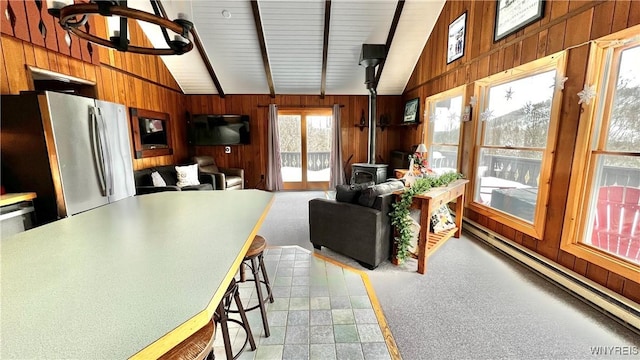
(428, 103)
(126, 73)
(536, 228)
(394, 352)
(604, 260)
(139, 150)
(583, 179)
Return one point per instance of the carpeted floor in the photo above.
(473, 302)
(288, 220)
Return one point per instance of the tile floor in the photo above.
(320, 311)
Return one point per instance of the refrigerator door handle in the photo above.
(97, 150)
(106, 158)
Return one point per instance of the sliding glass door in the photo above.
(305, 148)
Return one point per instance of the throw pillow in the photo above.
(157, 179)
(345, 194)
(368, 196)
(350, 193)
(442, 220)
(414, 229)
(362, 186)
(187, 175)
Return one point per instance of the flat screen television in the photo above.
(219, 130)
(153, 134)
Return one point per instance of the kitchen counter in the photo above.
(17, 213)
(128, 279)
(14, 198)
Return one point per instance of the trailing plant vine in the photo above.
(400, 214)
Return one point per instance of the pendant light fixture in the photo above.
(73, 17)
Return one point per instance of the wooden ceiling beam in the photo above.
(392, 32)
(207, 63)
(263, 47)
(203, 54)
(325, 47)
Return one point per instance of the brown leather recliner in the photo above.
(226, 178)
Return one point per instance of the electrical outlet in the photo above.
(227, 149)
(261, 176)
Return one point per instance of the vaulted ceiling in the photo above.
(297, 46)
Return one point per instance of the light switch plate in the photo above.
(227, 149)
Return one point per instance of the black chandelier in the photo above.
(73, 17)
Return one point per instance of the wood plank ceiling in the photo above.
(295, 53)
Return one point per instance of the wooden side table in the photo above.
(428, 242)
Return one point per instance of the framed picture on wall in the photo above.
(411, 109)
(513, 15)
(455, 43)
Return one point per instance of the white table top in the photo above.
(109, 282)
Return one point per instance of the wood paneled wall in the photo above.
(566, 25)
(143, 81)
(253, 157)
(134, 80)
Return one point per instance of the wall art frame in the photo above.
(411, 111)
(456, 38)
(513, 15)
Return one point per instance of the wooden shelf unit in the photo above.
(429, 242)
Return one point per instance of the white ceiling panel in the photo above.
(354, 23)
(415, 25)
(232, 45)
(293, 33)
(189, 70)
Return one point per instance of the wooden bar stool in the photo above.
(221, 316)
(254, 260)
(198, 346)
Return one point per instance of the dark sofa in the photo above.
(144, 184)
(357, 223)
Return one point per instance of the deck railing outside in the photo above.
(316, 160)
(527, 171)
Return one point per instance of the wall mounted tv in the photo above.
(152, 133)
(219, 130)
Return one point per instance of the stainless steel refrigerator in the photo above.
(73, 151)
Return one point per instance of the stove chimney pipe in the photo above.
(370, 57)
(371, 154)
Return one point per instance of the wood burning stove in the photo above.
(364, 172)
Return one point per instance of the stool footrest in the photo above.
(268, 297)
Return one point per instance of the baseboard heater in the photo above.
(621, 309)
